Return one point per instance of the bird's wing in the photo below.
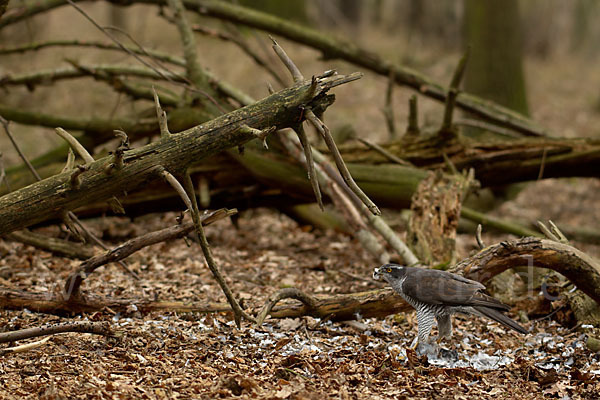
(482, 299)
(443, 288)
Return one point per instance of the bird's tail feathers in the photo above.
(500, 318)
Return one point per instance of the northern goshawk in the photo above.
(437, 294)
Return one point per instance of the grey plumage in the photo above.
(436, 295)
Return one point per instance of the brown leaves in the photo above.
(167, 355)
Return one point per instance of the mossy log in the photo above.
(392, 185)
(495, 161)
(174, 153)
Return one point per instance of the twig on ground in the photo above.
(287, 293)
(98, 328)
(24, 347)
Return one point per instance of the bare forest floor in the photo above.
(169, 355)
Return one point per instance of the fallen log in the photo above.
(175, 153)
(582, 270)
(578, 267)
(371, 304)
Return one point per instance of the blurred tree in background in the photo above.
(289, 9)
(495, 68)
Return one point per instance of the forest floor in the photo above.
(174, 355)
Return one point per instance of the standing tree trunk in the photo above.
(495, 69)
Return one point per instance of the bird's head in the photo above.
(389, 272)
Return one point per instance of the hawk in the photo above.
(437, 294)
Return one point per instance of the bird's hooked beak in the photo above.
(376, 274)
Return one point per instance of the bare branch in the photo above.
(75, 145)
(171, 180)
(475, 123)
(385, 153)
(259, 133)
(239, 41)
(453, 91)
(557, 232)
(3, 177)
(349, 203)
(287, 61)
(5, 124)
(194, 71)
(496, 223)
(324, 131)
(238, 312)
(156, 55)
(161, 115)
(478, 237)
(388, 109)
(412, 130)
(61, 247)
(310, 164)
(70, 164)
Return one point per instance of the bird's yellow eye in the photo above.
(388, 270)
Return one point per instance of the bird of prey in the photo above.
(437, 294)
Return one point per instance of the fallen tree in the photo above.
(175, 153)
